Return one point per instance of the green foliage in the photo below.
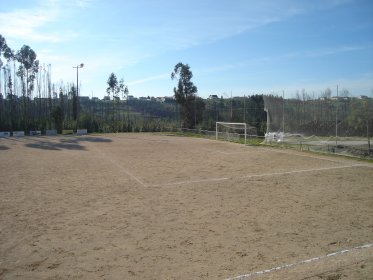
(28, 68)
(112, 85)
(185, 95)
(5, 50)
(75, 102)
(114, 88)
(57, 115)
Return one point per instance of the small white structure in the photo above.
(5, 134)
(213, 96)
(18, 133)
(274, 137)
(35, 132)
(82, 131)
(51, 132)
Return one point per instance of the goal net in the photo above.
(235, 132)
(336, 124)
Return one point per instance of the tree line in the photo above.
(30, 101)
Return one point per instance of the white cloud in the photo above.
(29, 24)
(23, 24)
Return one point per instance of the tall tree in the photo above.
(27, 71)
(7, 113)
(185, 93)
(114, 89)
(124, 90)
(5, 50)
(28, 68)
(8, 54)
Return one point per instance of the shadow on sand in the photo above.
(77, 139)
(66, 143)
(3, 148)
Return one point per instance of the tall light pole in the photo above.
(336, 121)
(81, 65)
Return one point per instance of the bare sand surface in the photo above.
(147, 206)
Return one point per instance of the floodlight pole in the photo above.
(283, 118)
(283, 113)
(216, 130)
(336, 122)
(244, 108)
(81, 65)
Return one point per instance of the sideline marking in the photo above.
(284, 266)
(252, 176)
(300, 171)
(299, 154)
(282, 151)
(189, 182)
(223, 152)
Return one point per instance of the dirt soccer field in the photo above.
(146, 206)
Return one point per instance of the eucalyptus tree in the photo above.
(113, 89)
(5, 50)
(123, 88)
(6, 93)
(6, 53)
(28, 68)
(185, 93)
(27, 71)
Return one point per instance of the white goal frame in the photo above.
(232, 125)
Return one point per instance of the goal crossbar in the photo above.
(231, 125)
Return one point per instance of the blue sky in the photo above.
(232, 46)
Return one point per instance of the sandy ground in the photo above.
(145, 206)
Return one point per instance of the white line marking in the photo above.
(282, 151)
(189, 182)
(298, 153)
(252, 176)
(125, 170)
(119, 166)
(223, 152)
(253, 274)
(300, 171)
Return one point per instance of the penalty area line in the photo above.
(285, 266)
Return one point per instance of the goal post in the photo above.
(230, 131)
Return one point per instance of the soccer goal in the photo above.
(231, 131)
